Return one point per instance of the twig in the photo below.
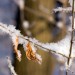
(61, 9)
(36, 44)
(71, 35)
(10, 66)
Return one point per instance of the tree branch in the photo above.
(68, 62)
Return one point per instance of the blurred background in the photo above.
(35, 19)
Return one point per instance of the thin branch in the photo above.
(68, 62)
(61, 9)
(71, 33)
(28, 39)
(46, 48)
(11, 68)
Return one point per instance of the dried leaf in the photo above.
(31, 54)
(16, 49)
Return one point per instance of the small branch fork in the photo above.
(72, 33)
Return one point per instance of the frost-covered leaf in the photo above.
(31, 53)
(15, 43)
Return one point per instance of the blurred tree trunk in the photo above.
(42, 32)
(37, 12)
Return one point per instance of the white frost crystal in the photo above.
(10, 66)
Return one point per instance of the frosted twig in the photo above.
(10, 66)
(72, 33)
(13, 32)
(66, 10)
(56, 48)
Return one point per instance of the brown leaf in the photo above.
(29, 52)
(31, 55)
(16, 48)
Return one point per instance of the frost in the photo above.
(67, 9)
(39, 57)
(33, 48)
(10, 66)
(31, 53)
(19, 55)
(11, 27)
(60, 47)
(3, 27)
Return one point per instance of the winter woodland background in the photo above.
(46, 20)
